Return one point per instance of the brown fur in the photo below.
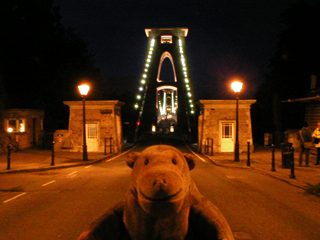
(162, 202)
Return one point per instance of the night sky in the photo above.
(227, 38)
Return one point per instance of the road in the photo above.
(60, 204)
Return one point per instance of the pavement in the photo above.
(260, 160)
(31, 160)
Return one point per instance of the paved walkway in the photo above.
(36, 160)
(260, 160)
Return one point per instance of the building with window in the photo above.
(24, 127)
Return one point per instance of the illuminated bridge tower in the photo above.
(165, 104)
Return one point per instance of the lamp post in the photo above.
(84, 89)
(237, 86)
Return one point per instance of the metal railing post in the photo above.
(52, 154)
(292, 165)
(9, 156)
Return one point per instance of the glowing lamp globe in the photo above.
(236, 86)
(84, 89)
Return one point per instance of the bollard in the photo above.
(52, 154)
(292, 165)
(9, 157)
(273, 169)
(212, 147)
(248, 162)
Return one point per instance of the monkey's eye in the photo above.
(146, 161)
(174, 161)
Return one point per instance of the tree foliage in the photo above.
(297, 57)
(41, 62)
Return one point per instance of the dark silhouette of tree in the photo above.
(297, 58)
(41, 62)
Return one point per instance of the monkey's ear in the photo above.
(131, 158)
(190, 160)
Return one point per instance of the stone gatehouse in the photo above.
(217, 122)
(103, 124)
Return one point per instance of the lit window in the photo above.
(16, 125)
(166, 39)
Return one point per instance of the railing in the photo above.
(209, 146)
(110, 145)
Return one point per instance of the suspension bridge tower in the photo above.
(164, 103)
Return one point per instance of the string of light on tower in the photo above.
(143, 81)
(186, 80)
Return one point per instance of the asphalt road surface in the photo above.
(60, 204)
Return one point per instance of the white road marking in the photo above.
(72, 173)
(88, 166)
(8, 200)
(48, 183)
(236, 177)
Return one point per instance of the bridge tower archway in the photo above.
(161, 105)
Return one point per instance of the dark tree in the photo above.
(297, 58)
(41, 62)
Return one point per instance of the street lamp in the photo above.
(237, 86)
(84, 89)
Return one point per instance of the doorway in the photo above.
(227, 136)
(92, 137)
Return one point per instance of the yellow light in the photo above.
(148, 60)
(147, 65)
(144, 75)
(192, 112)
(186, 80)
(145, 70)
(143, 81)
(21, 129)
(138, 97)
(84, 89)
(136, 106)
(236, 86)
(140, 88)
(171, 128)
(153, 128)
(10, 129)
